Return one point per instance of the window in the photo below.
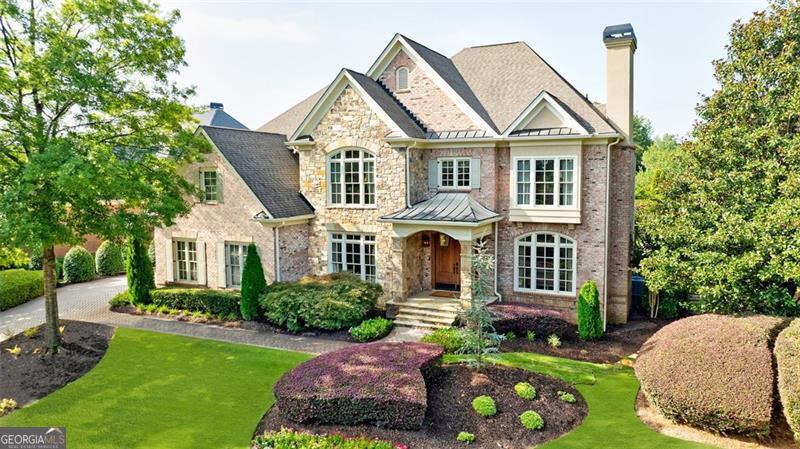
(354, 253)
(545, 263)
(209, 184)
(454, 173)
(185, 260)
(234, 262)
(545, 182)
(401, 79)
(351, 178)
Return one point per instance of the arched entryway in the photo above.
(445, 263)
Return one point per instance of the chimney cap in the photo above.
(213, 105)
(619, 32)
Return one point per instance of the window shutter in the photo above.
(222, 276)
(433, 173)
(201, 263)
(168, 261)
(475, 173)
(220, 187)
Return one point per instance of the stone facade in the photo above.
(293, 251)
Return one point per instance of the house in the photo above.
(397, 172)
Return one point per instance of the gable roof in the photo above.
(290, 120)
(569, 119)
(216, 116)
(266, 165)
(390, 104)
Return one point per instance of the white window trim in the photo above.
(228, 283)
(455, 161)
(556, 268)
(361, 204)
(203, 172)
(556, 180)
(175, 261)
(397, 87)
(361, 242)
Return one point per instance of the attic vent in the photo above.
(216, 106)
(614, 32)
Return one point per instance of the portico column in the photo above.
(466, 272)
(395, 283)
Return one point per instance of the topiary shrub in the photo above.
(713, 372)
(215, 302)
(139, 272)
(525, 390)
(379, 383)
(287, 438)
(108, 259)
(78, 265)
(531, 420)
(253, 284)
(19, 286)
(370, 330)
(590, 323)
(450, 339)
(787, 355)
(484, 406)
(520, 318)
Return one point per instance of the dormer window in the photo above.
(401, 79)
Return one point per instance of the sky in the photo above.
(260, 58)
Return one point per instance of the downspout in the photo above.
(605, 244)
(277, 253)
(496, 263)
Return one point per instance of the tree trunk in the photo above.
(51, 332)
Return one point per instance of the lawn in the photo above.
(155, 390)
(610, 391)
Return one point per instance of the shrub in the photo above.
(59, 269)
(36, 261)
(108, 259)
(787, 354)
(450, 339)
(373, 329)
(13, 258)
(554, 341)
(253, 284)
(15, 351)
(331, 302)
(31, 332)
(19, 286)
(510, 336)
(590, 323)
(139, 272)
(569, 398)
(531, 335)
(7, 405)
(465, 437)
(484, 406)
(712, 371)
(525, 390)
(78, 265)
(151, 252)
(120, 299)
(379, 383)
(287, 438)
(215, 302)
(520, 318)
(531, 420)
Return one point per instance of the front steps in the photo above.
(425, 312)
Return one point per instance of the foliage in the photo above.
(642, 138)
(14, 258)
(7, 405)
(531, 420)
(787, 355)
(120, 299)
(151, 251)
(451, 339)
(554, 341)
(19, 286)
(520, 318)
(569, 398)
(364, 383)
(287, 438)
(15, 351)
(530, 335)
(510, 336)
(79, 265)
(31, 332)
(331, 302)
(725, 227)
(676, 363)
(370, 330)
(481, 337)
(590, 323)
(108, 259)
(525, 390)
(215, 302)
(484, 406)
(253, 284)
(465, 437)
(139, 272)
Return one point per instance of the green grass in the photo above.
(157, 391)
(610, 391)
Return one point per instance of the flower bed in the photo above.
(379, 383)
(520, 318)
(287, 438)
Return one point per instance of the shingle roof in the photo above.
(266, 165)
(386, 101)
(456, 207)
(218, 117)
(287, 122)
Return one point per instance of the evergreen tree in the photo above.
(139, 271)
(253, 284)
(590, 323)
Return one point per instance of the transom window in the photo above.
(354, 253)
(210, 185)
(185, 260)
(235, 254)
(401, 79)
(351, 178)
(454, 173)
(545, 182)
(545, 262)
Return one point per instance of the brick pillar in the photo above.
(466, 272)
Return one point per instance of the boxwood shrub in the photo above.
(451, 339)
(287, 438)
(713, 372)
(108, 259)
(215, 302)
(370, 330)
(78, 265)
(484, 406)
(19, 286)
(531, 420)
(787, 354)
(332, 302)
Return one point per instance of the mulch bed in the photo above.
(33, 374)
(451, 390)
(619, 342)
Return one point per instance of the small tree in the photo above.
(139, 271)
(253, 284)
(590, 323)
(481, 338)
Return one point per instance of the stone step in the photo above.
(437, 313)
(421, 324)
(427, 305)
(425, 318)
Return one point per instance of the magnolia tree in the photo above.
(92, 126)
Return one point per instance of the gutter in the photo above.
(427, 143)
(496, 263)
(605, 249)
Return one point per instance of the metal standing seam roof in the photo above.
(455, 207)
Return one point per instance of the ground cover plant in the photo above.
(787, 355)
(370, 330)
(79, 265)
(19, 286)
(286, 438)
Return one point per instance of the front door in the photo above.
(447, 263)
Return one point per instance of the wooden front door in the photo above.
(446, 263)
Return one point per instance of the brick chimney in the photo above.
(620, 43)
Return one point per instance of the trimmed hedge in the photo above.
(519, 318)
(332, 302)
(713, 372)
(19, 286)
(79, 265)
(287, 438)
(379, 383)
(370, 330)
(451, 339)
(215, 302)
(787, 354)
(590, 324)
(108, 259)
